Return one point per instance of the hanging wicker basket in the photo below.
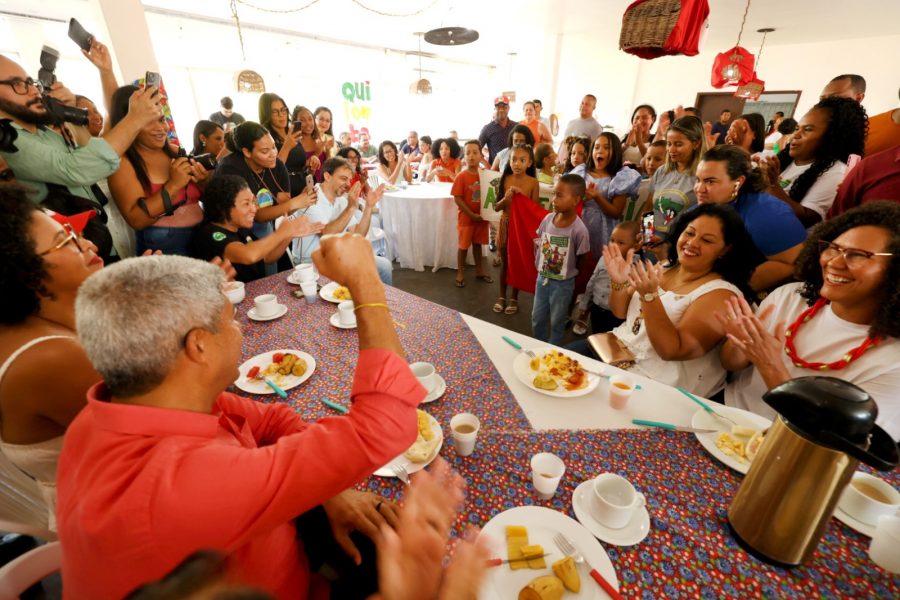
(649, 24)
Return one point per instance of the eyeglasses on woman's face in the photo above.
(20, 86)
(70, 238)
(281, 111)
(854, 257)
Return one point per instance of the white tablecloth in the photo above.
(420, 224)
(653, 402)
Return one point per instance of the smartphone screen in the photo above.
(647, 227)
(79, 35)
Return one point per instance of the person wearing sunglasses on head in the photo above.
(44, 155)
(841, 320)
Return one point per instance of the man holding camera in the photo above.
(47, 155)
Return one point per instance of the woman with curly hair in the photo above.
(841, 320)
(808, 175)
(44, 372)
(446, 166)
(667, 327)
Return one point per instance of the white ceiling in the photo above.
(529, 26)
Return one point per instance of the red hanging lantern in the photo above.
(753, 89)
(734, 67)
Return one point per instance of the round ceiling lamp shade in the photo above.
(422, 86)
(451, 36)
(248, 81)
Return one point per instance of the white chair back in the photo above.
(29, 569)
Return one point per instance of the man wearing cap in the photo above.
(495, 135)
(227, 114)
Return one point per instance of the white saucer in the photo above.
(633, 533)
(438, 390)
(853, 523)
(336, 321)
(291, 279)
(281, 312)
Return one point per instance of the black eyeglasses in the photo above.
(20, 86)
(71, 237)
(280, 111)
(852, 256)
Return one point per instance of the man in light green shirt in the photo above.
(44, 156)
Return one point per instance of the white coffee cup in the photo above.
(346, 316)
(266, 305)
(234, 291)
(614, 500)
(464, 429)
(867, 497)
(620, 390)
(304, 272)
(426, 375)
(885, 547)
(546, 471)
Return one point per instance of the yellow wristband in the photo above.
(371, 305)
(617, 287)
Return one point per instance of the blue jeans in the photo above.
(385, 270)
(551, 308)
(171, 240)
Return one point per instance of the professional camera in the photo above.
(208, 160)
(60, 112)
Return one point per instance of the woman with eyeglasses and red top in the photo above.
(841, 320)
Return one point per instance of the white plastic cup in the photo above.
(614, 500)
(885, 547)
(464, 429)
(425, 373)
(866, 498)
(346, 316)
(309, 291)
(620, 389)
(305, 272)
(234, 291)
(266, 305)
(546, 471)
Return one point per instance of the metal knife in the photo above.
(495, 562)
(671, 427)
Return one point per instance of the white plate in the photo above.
(744, 418)
(280, 313)
(854, 523)
(522, 369)
(375, 234)
(292, 279)
(502, 583)
(335, 320)
(257, 386)
(634, 532)
(327, 292)
(412, 467)
(438, 390)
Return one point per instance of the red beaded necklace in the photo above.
(849, 357)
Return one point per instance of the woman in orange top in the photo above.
(540, 131)
(446, 166)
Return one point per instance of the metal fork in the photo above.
(400, 472)
(569, 549)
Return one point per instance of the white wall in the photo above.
(668, 81)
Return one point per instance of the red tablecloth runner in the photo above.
(689, 552)
(429, 333)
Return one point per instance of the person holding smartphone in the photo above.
(275, 116)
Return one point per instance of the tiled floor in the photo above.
(476, 299)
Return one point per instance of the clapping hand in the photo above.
(353, 193)
(749, 334)
(375, 195)
(301, 226)
(313, 163)
(711, 137)
(645, 276)
(618, 266)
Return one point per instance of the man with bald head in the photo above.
(44, 156)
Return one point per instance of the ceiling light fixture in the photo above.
(421, 86)
(451, 36)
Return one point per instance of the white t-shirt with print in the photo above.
(825, 338)
(821, 195)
